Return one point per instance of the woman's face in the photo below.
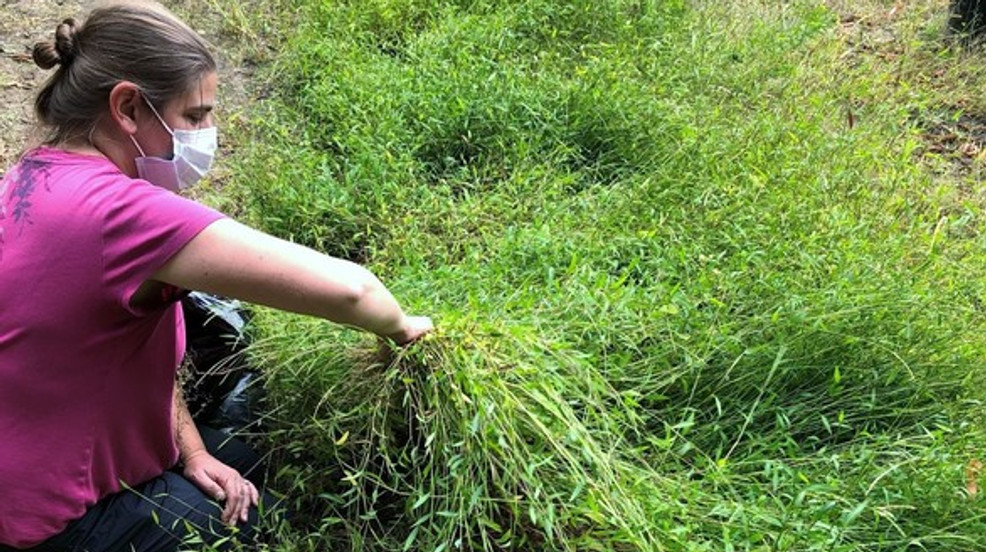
(190, 111)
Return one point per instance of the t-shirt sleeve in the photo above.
(143, 227)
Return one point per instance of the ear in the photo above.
(125, 100)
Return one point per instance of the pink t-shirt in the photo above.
(85, 379)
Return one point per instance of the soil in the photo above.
(953, 137)
(25, 22)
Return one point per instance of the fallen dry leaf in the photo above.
(898, 7)
(972, 477)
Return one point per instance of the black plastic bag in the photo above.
(221, 388)
(967, 20)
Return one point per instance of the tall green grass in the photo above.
(698, 283)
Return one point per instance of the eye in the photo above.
(199, 117)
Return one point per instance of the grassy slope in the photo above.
(701, 281)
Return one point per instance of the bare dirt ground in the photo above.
(954, 133)
(22, 23)
(25, 22)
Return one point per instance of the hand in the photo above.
(413, 328)
(224, 484)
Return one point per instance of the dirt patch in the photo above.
(25, 22)
(908, 39)
(868, 30)
(959, 138)
(22, 24)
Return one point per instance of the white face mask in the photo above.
(193, 152)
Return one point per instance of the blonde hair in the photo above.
(139, 42)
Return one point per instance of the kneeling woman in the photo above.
(97, 450)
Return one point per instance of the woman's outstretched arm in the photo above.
(234, 260)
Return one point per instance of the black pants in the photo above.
(166, 512)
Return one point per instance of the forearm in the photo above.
(232, 260)
(331, 288)
(187, 437)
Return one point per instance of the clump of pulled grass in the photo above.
(472, 440)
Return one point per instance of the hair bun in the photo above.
(60, 52)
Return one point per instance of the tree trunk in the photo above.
(967, 19)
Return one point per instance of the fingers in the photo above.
(237, 507)
(231, 508)
(250, 498)
(225, 490)
(254, 494)
(224, 484)
(414, 328)
(420, 325)
(211, 488)
(242, 496)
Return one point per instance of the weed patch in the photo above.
(698, 283)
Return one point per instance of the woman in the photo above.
(97, 450)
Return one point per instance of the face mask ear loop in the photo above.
(136, 145)
(158, 115)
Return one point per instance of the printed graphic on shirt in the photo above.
(16, 191)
